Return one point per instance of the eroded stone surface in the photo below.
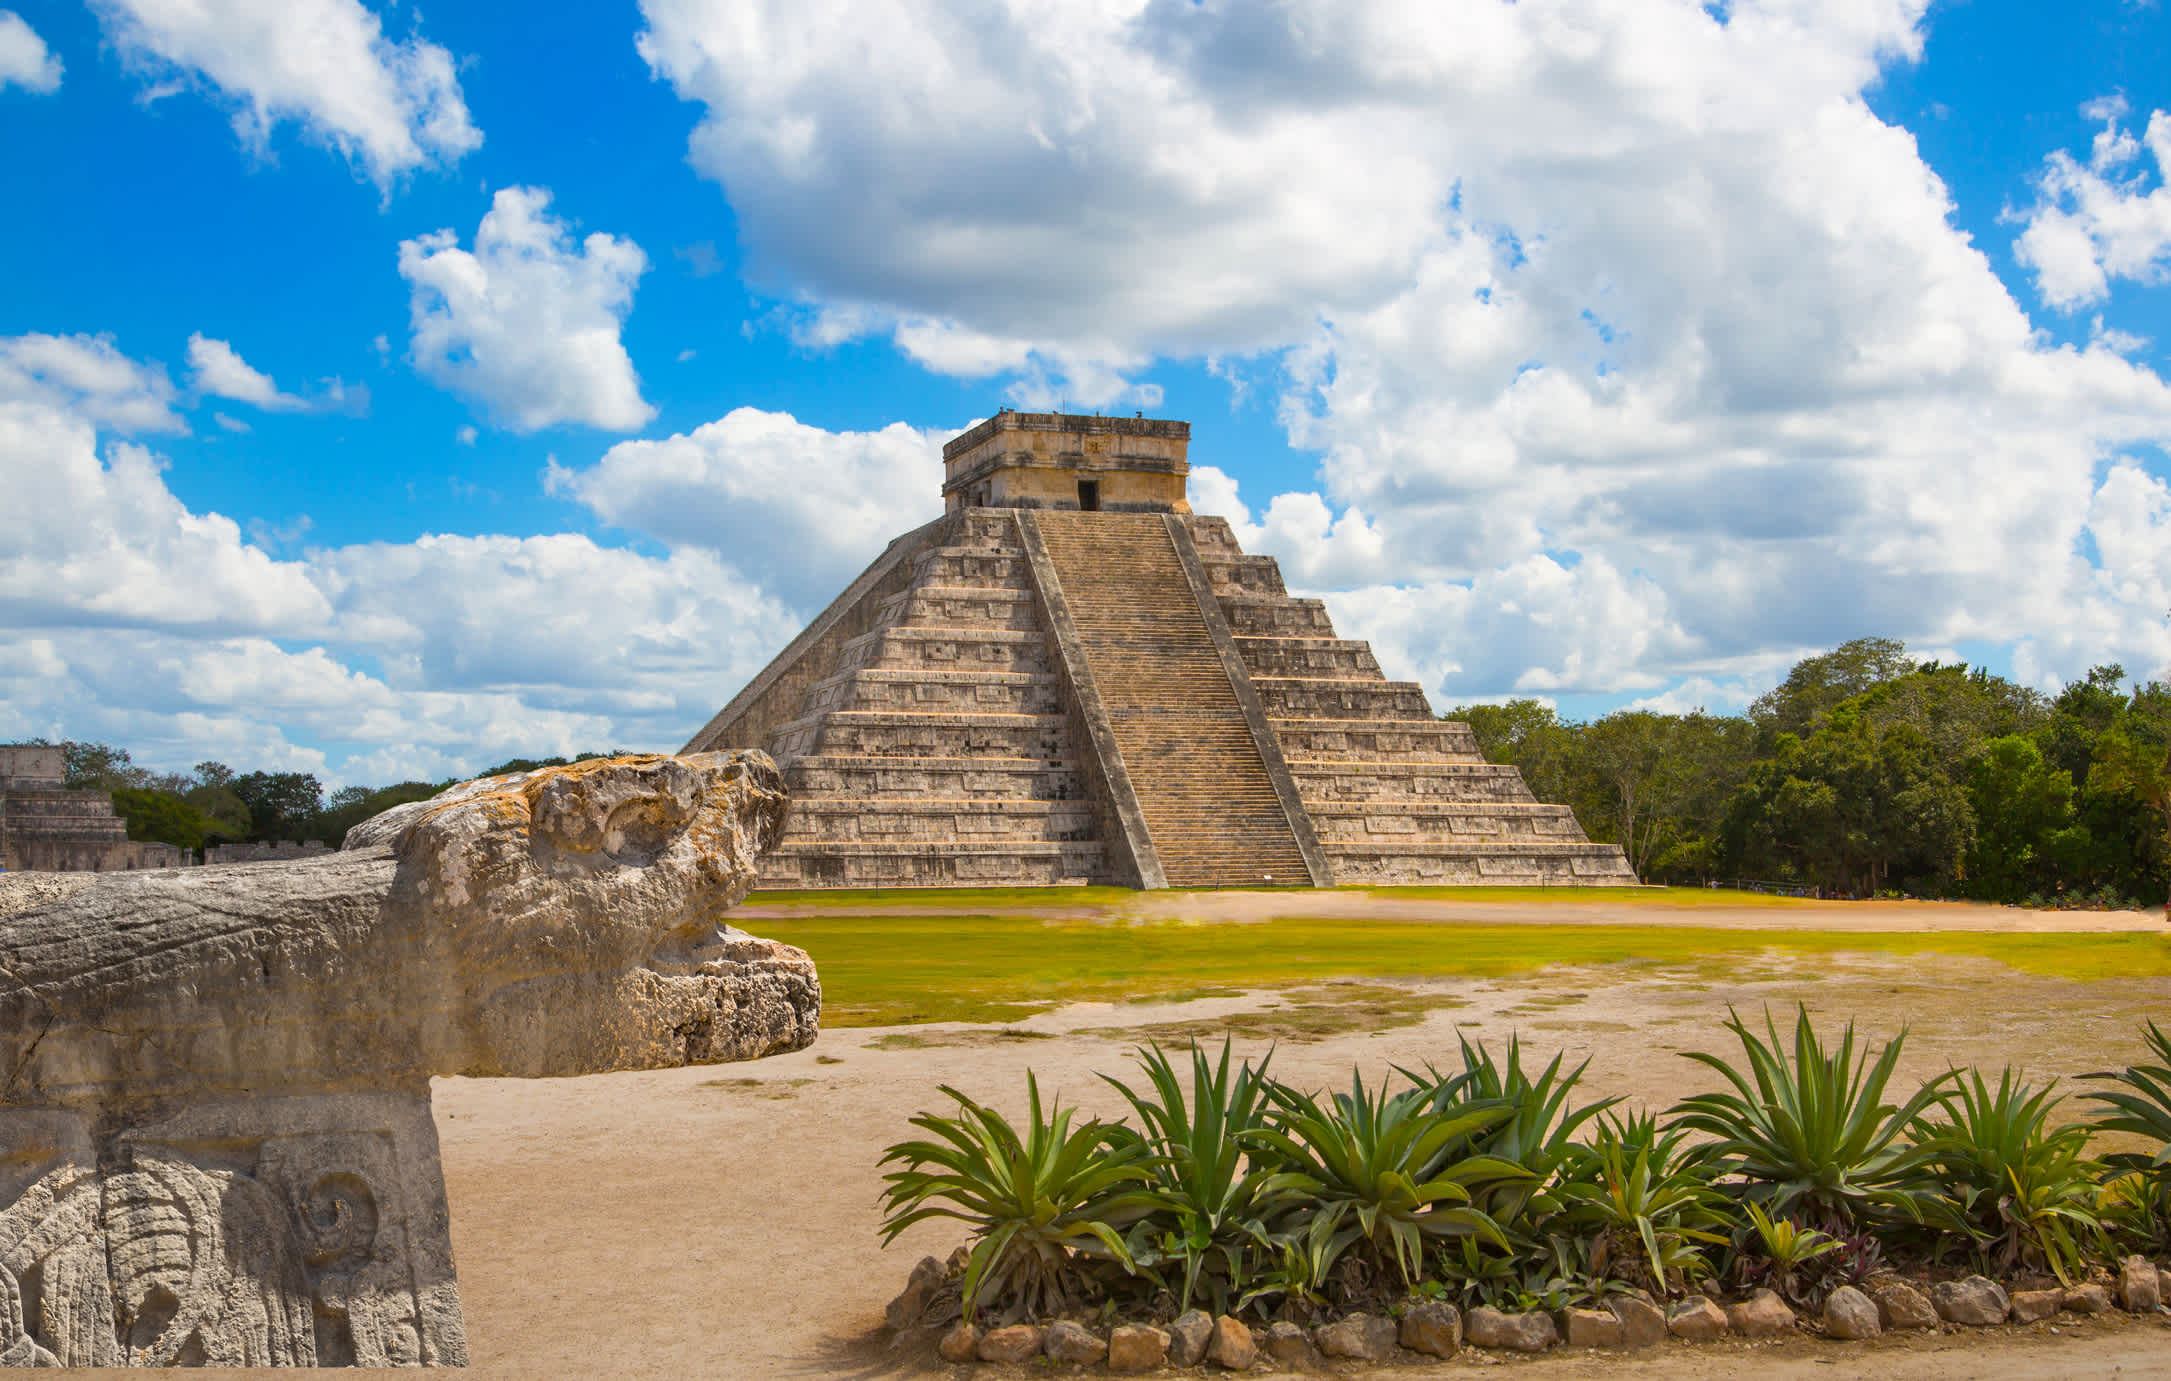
(1900, 1305)
(1232, 1345)
(2088, 1298)
(1433, 1327)
(2031, 1306)
(1365, 1337)
(2137, 1287)
(1643, 1324)
(215, 1134)
(1188, 1338)
(1527, 1332)
(1016, 1343)
(1592, 1328)
(1696, 1320)
(1977, 1301)
(1850, 1314)
(1762, 1315)
(1135, 1348)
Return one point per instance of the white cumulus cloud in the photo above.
(24, 60)
(527, 324)
(89, 377)
(218, 371)
(389, 107)
(795, 507)
(2096, 221)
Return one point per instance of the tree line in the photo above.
(212, 804)
(1868, 773)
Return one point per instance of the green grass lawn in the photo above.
(995, 899)
(896, 969)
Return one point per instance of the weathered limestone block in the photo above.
(1762, 1315)
(1900, 1305)
(1433, 1327)
(1977, 1301)
(1135, 1348)
(1852, 1315)
(215, 1135)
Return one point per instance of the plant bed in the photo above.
(1241, 1222)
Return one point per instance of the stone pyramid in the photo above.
(1070, 677)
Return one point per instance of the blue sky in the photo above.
(387, 393)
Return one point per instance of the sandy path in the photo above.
(721, 1221)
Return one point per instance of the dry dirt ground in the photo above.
(722, 1221)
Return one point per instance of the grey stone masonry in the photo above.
(1028, 696)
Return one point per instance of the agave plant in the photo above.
(1210, 1194)
(1379, 1169)
(1650, 1199)
(1037, 1203)
(1537, 1133)
(2026, 1187)
(1811, 1135)
(2142, 1107)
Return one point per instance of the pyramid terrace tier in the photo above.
(887, 781)
(798, 863)
(1339, 697)
(937, 692)
(1345, 824)
(1505, 864)
(1377, 740)
(895, 819)
(889, 733)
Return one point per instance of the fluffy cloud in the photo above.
(2100, 220)
(389, 107)
(127, 616)
(797, 508)
(24, 61)
(218, 371)
(528, 324)
(1636, 348)
(88, 377)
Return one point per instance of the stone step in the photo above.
(1342, 658)
(1376, 740)
(989, 692)
(1202, 789)
(1341, 697)
(894, 733)
(887, 778)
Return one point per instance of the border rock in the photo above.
(1643, 1324)
(1232, 1346)
(1364, 1337)
(1433, 1327)
(1189, 1337)
(2138, 1290)
(1762, 1315)
(1134, 1348)
(1976, 1302)
(1070, 1342)
(1532, 1331)
(2033, 1306)
(1851, 1315)
(1696, 1320)
(1592, 1328)
(961, 1343)
(2088, 1297)
(1018, 1342)
(1900, 1305)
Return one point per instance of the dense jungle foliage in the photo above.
(1867, 773)
(212, 804)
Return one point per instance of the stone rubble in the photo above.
(1361, 1336)
(1433, 1327)
(1643, 1324)
(1232, 1345)
(2138, 1290)
(2031, 1306)
(1696, 1320)
(1900, 1305)
(1189, 1337)
(1070, 1342)
(1534, 1331)
(1134, 1348)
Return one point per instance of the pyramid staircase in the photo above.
(1009, 697)
(1210, 807)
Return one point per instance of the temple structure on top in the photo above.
(1071, 677)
